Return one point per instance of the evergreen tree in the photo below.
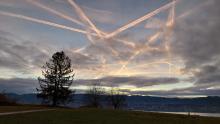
(58, 77)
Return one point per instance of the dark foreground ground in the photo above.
(16, 108)
(99, 116)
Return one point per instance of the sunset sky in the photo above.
(145, 47)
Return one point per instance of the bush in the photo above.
(4, 100)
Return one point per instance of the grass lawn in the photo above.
(98, 116)
(20, 108)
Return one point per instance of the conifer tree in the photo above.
(58, 77)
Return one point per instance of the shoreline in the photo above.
(184, 113)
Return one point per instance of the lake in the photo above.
(191, 113)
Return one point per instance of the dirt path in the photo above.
(27, 111)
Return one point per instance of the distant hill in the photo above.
(146, 103)
(24, 98)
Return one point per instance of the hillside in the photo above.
(147, 103)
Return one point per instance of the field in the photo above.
(102, 116)
(20, 108)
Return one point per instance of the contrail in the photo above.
(115, 53)
(80, 49)
(169, 23)
(151, 39)
(89, 36)
(194, 9)
(141, 19)
(177, 68)
(84, 17)
(44, 22)
(131, 58)
(34, 2)
(176, 71)
(171, 17)
(103, 67)
(99, 32)
(128, 43)
(128, 61)
(157, 62)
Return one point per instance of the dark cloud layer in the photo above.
(179, 93)
(209, 74)
(132, 80)
(20, 85)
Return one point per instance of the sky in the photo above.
(144, 47)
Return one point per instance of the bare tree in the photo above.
(116, 99)
(94, 95)
(58, 77)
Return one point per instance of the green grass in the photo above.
(102, 116)
(20, 108)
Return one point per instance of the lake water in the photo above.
(191, 113)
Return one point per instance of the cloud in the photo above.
(112, 50)
(209, 74)
(136, 81)
(24, 56)
(22, 85)
(82, 61)
(197, 43)
(20, 55)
